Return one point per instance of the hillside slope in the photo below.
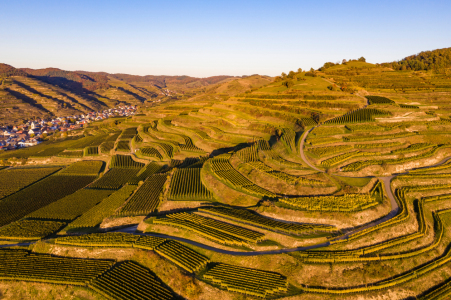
(26, 92)
(438, 60)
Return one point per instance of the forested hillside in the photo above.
(437, 60)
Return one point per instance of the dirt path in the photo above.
(301, 150)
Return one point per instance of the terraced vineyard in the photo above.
(29, 229)
(72, 206)
(21, 265)
(225, 171)
(249, 217)
(16, 179)
(186, 184)
(241, 233)
(151, 152)
(327, 184)
(106, 147)
(143, 284)
(91, 151)
(123, 240)
(71, 154)
(145, 172)
(95, 215)
(379, 100)
(182, 256)
(349, 202)
(252, 282)
(125, 161)
(359, 116)
(36, 196)
(123, 146)
(148, 197)
(86, 167)
(218, 232)
(114, 179)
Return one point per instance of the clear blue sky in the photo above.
(205, 38)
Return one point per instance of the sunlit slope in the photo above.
(14, 109)
(52, 91)
(272, 166)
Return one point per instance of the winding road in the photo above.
(301, 150)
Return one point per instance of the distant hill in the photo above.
(27, 93)
(176, 82)
(7, 71)
(75, 81)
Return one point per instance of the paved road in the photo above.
(18, 244)
(132, 230)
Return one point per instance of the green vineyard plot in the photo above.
(247, 281)
(38, 195)
(72, 206)
(30, 229)
(186, 184)
(142, 285)
(16, 179)
(104, 209)
(114, 179)
(148, 197)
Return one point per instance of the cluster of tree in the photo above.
(333, 87)
(329, 64)
(311, 73)
(290, 78)
(437, 60)
(347, 87)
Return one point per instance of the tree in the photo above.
(283, 75)
(288, 83)
(291, 75)
(344, 62)
(299, 70)
(332, 87)
(362, 59)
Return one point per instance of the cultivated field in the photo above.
(332, 184)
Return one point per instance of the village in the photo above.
(33, 132)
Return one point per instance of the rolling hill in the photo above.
(26, 93)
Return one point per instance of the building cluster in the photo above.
(33, 132)
(167, 92)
